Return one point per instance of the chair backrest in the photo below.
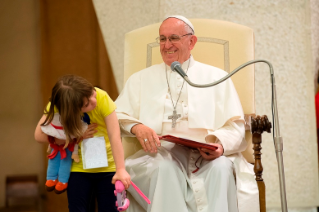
(22, 193)
(221, 44)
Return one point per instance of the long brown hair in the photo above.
(68, 96)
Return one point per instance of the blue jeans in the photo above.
(60, 169)
(85, 189)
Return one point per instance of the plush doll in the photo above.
(60, 157)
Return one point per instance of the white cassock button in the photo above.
(194, 182)
(196, 190)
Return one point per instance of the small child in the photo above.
(73, 97)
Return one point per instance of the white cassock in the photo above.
(208, 115)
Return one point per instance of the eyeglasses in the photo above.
(172, 38)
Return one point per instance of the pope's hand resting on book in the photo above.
(208, 154)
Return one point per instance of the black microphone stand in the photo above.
(278, 141)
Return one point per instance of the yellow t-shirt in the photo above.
(104, 107)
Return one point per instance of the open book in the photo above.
(187, 142)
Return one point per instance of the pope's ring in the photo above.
(145, 140)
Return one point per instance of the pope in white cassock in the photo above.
(156, 101)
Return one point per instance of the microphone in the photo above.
(176, 66)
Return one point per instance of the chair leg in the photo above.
(258, 169)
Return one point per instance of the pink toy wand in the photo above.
(122, 202)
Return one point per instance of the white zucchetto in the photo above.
(182, 18)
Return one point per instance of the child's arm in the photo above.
(113, 131)
(41, 137)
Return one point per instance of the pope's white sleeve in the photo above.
(127, 127)
(128, 105)
(231, 136)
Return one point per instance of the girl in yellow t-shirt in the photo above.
(74, 98)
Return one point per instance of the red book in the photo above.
(186, 142)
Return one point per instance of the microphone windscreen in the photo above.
(174, 64)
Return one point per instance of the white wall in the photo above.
(283, 36)
(314, 4)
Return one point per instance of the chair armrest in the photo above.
(258, 126)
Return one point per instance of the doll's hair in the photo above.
(68, 95)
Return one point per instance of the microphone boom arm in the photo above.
(278, 141)
(228, 75)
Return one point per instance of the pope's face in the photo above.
(177, 51)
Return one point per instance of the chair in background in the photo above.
(221, 44)
(22, 194)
